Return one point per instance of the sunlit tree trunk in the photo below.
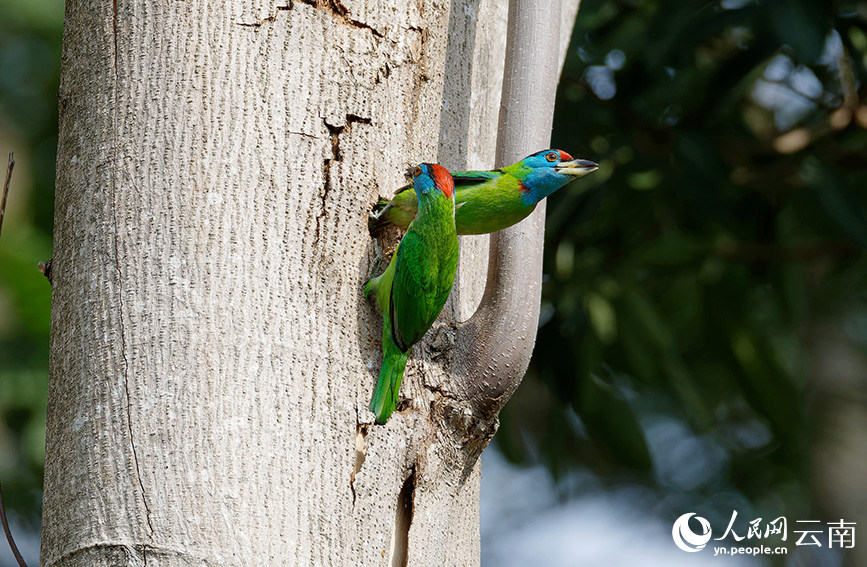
(212, 356)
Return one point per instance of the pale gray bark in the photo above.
(497, 342)
(212, 355)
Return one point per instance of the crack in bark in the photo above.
(340, 12)
(131, 550)
(391, 64)
(334, 132)
(333, 7)
(382, 73)
(120, 290)
(270, 19)
(361, 431)
(305, 134)
(403, 522)
(440, 391)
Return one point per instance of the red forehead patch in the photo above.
(564, 156)
(443, 179)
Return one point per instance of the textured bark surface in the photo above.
(212, 355)
(496, 343)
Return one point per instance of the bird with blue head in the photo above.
(488, 201)
(414, 287)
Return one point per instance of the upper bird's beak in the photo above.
(576, 167)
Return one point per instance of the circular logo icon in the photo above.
(685, 538)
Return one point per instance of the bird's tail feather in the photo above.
(384, 399)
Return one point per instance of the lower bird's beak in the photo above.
(576, 167)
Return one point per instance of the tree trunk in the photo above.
(212, 355)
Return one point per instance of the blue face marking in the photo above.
(543, 159)
(543, 179)
(423, 182)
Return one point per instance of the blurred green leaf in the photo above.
(700, 259)
(30, 42)
(672, 249)
(610, 419)
(801, 24)
(837, 199)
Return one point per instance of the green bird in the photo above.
(414, 287)
(488, 201)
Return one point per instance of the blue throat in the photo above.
(542, 183)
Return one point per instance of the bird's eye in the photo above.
(551, 157)
(417, 171)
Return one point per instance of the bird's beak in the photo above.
(576, 167)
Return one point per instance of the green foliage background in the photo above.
(690, 279)
(685, 280)
(30, 39)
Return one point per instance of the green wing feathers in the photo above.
(462, 178)
(414, 289)
(485, 201)
(411, 293)
(404, 205)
